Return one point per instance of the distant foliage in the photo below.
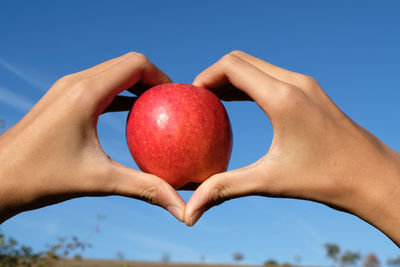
(349, 258)
(344, 259)
(237, 256)
(371, 260)
(14, 255)
(332, 251)
(120, 256)
(165, 258)
(394, 262)
(297, 259)
(202, 258)
(270, 262)
(273, 263)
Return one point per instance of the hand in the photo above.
(317, 152)
(53, 154)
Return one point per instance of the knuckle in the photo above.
(83, 85)
(228, 60)
(65, 81)
(132, 54)
(237, 52)
(82, 92)
(289, 98)
(149, 194)
(286, 92)
(138, 57)
(217, 194)
(308, 81)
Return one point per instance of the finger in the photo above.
(103, 86)
(71, 79)
(261, 87)
(304, 82)
(279, 73)
(132, 183)
(222, 187)
(120, 103)
(64, 83)
(97, 68)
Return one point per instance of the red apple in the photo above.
(179, 132)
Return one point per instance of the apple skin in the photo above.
(179, 132)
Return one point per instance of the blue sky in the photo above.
(350, 47)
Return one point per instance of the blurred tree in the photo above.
(120, 256)
(14, 255)
(270, 262)
(202, 258)
(78, 257)
(297, 259)
(394, 262)
(332, 252)
(371, 260)
(237, 256)
(341, 259)
(349, 258)
(165, 258)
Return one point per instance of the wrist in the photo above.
(11, 199)
(8, 195)
(381, 198)
(8, 206)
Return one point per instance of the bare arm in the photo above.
(317, 152)
(53, 154)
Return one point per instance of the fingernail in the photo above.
(196, 216)
(174, 210)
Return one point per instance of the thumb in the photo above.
(221, 187)
(150, 188)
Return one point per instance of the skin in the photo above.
(53, 154)
(317, 152)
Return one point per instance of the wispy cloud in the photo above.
(313, 236)
(164, 246)
(47, 226)
(35, 80)
(155, 243)
(15, 100)
(29, 77)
